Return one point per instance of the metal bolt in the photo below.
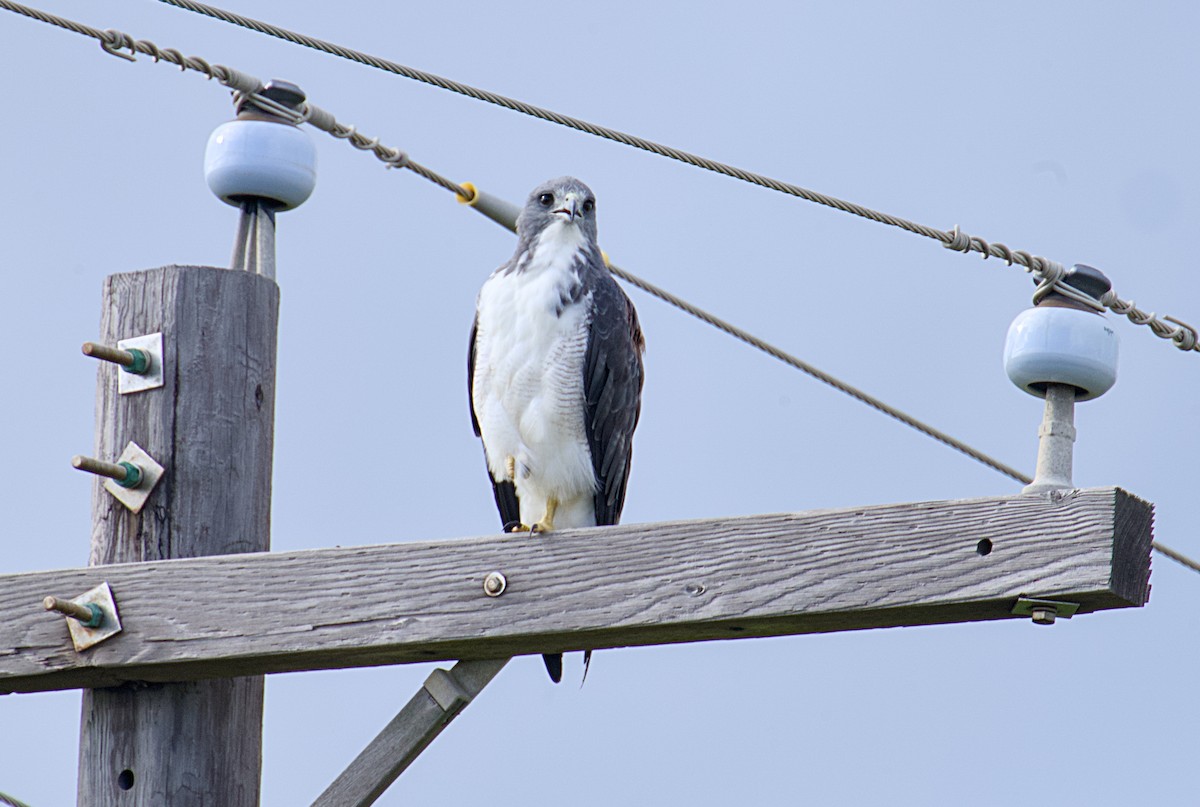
(131, 361)
(494, 584)
(126, 474)
(90, 615)
(1043, 616)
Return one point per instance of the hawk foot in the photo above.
(547, 522)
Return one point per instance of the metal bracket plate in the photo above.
(135, 498)
(84, 637)
(1026, 605)
(153, 377)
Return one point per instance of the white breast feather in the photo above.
(528, 386)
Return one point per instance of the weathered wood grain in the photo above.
(212, 426)
(870, 567)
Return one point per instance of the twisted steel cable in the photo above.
(1049, 273)
(116, 43)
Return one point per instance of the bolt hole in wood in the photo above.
(984, 547)
(125, 779)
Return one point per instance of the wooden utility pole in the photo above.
(211, 425)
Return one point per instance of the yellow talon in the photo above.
(519, 528)
(547, 522)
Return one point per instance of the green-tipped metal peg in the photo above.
(133, 360)
(125, 474)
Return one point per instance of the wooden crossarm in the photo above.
(638, 584)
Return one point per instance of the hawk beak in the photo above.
(570, 207)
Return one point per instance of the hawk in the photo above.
(554, 373)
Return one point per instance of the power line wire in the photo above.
(1049, 273)
(804, 367)
(820, 375)
(1178, 557)
(115, 42)
(1184, 336)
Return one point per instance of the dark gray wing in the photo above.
(471, 374)
(612, 390)
(505, 492)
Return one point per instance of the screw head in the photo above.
(1043, 616)
(494, 584)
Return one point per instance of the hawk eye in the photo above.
(589, 205)
(546, 199)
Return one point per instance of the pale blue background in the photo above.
(1068, 130)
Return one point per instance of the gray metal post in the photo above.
(1056, 441)
(254, 245)
(212, 426)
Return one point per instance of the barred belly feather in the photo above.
(528, 385)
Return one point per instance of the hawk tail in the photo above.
(553, 665)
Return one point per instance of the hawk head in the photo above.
(562, 202)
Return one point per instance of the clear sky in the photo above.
(1068, 130)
